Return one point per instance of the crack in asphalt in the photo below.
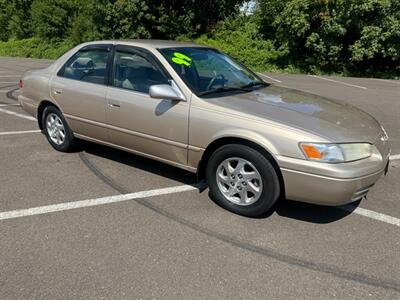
(291, 260)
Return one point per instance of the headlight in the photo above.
(335, 153)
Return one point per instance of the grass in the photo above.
(34, 48)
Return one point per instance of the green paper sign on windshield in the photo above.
(182, 59)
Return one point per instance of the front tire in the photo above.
(242, 180)
(57, 131)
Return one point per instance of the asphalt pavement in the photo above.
(102, 223)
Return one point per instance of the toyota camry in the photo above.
(198, 109)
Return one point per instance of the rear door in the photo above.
(154, 127)
(79, 88)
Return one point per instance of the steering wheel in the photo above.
(212, 81)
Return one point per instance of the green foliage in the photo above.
(4, 12)
(51, 18)
(34, 47)
(355, 37)
(240, 38)
(350, 36)
(125, 19)
(18, 18)
(82, 20)
(160, 18)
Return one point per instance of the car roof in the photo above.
(154, 44)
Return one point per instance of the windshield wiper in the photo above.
(253, 83)
(223, 89)
(243, 88)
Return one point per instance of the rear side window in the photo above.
(135, 72)
(87, 65)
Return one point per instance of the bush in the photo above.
(51, 18)
(35, 48)
(240, 38)
(16, 18)
(351, 37)
(359, 37)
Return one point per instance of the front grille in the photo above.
(361, 193)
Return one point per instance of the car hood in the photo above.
(334, 120)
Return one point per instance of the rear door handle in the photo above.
(114, 105)
(58, 91)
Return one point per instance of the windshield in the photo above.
(209, 72)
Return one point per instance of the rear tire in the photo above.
(242, 180)
(57, 131)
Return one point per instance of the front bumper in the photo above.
(324, 190)
(332, 184)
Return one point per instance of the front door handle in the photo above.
(114, 105)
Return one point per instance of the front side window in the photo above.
(135, 72)
(87, 65)
(209, 72)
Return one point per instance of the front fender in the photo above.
(246, 135)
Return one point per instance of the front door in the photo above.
(154, 127)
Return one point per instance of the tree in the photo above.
(4, 20)
(18, 15)
(161, 18)
(355, 36)
(51, 18)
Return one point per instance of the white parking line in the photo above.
(386, 80)
(19, 132)
(9, 112)
(40, 210)
(8, 82)
(373, 215)
(5, 76)
(340, 82)
(394, 157)
(269, 77)
(92, 202)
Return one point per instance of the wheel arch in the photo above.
(219, 142)
(43, 104)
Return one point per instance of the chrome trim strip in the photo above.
(127, 131)
(150, 137)
(91, 122)
(358, 198)
(169, 162)
(196, 149)
(363, 191)
(331, 178)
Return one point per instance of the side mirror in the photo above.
(165, 91)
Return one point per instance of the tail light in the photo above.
(21, 84)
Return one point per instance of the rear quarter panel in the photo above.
(36, 89)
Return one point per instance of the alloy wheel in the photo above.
(239, 181)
